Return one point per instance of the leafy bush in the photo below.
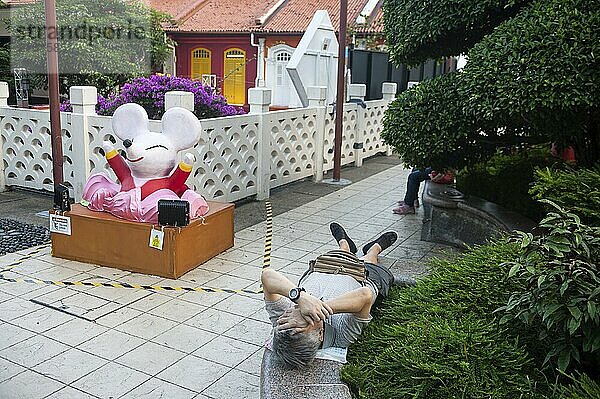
(560, 286)
(150, 94)
(539, 70)
(413, 126)
(506, 179)
(440, 339)
(533, 79)
(577, 190)
(418, 30)
(582, 387)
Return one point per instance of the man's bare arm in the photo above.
(276, 285)
(357, 301)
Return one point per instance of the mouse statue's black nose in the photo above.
(127, 143)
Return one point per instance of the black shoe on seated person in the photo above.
(385, 241)
(339, 234)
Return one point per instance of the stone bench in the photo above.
(451, 218)
(320, 380)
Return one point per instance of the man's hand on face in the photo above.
(292, 319)
(313, 309)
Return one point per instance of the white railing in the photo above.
(236, 157)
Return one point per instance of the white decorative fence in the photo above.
(236, 157)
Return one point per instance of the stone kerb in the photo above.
(461, 220)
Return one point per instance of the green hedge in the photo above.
(423, 127)
(441, 339)
(534, 79)
(540, 70)
(419, 30)
(577, 190)
(507, 178)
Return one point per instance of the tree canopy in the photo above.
(419, 30)
(534, 78)
(104, 43)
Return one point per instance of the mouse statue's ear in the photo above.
(129, 121)
(182, 127)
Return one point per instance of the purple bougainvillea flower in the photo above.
(149, 92)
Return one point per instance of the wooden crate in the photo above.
(102, 239)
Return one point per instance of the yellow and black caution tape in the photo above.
(266, 264)
(125, 285)
(268, 236)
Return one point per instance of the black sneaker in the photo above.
(339, 234)
(384, 241)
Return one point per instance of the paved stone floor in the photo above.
(127, 343)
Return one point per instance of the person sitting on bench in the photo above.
(332, 302)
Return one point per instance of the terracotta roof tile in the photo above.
(240, 15)
(224, 16)
(295, 15)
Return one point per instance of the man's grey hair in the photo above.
(296, 350)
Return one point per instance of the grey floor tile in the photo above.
(111, 344)
(70, 365)
(75, 331)
(9, 369)
(184, 338)
(146, 326)
(110, 381)
(245, 386)
(33, 351)
(193, 373)
(158, 389)
(150, 358)
(214, 320)
(227, 351)
(12, 335)
(30, 385)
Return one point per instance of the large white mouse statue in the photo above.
(149, 173)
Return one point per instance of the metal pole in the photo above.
(55, 130)
(339, 102)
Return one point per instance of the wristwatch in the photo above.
(294, 294)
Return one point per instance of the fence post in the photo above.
(389, 90)
(389, 94)
(183, 99)
(83, 99)
(259, 99)
(357, 92)
(3, 104)
(4, 94)
(316, 98)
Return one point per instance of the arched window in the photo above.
(234, 76)
(200, 63)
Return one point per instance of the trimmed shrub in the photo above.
(559, 282)
(506, 179)
(440, 339)
(539, 70)
(533, 79)
(418, 30)
(577, 190)
(424, 129)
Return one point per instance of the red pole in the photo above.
(55, 130)
(339, 102)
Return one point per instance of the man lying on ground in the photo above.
(332, 302)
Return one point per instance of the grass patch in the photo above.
(441, 338)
